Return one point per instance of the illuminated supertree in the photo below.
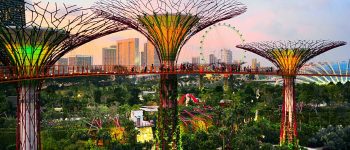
(30, 48)
(168, 24)
(289, 57)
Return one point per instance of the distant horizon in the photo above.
(264, 21)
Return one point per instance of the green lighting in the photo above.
(28, 55)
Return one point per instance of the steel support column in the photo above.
(168, 131)
(288, 131)
(28, 115)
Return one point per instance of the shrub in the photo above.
(331, 137)
(7, 138)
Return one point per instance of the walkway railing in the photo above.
(11, 74)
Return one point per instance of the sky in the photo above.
(265, 20)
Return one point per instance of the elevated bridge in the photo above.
(58, 71)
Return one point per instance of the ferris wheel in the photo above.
(205, 35)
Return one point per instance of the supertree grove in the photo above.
(32, 47)
(168, 24)
(289, 57)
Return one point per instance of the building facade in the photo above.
(80, 63)
(149, 55)
(61, 66)
(143, 58)
(109, 56)
(128, 52)
(212, 59)
(254, 64)
(226, 56)
(12, 12)
(195, 60)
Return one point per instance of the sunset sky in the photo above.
(264, 20)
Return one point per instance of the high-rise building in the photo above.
(212, 59)
(80, 62)
(12, 12)
(143, 58)
(254, 63)
(226, 56)
(62, 65)
(195, 60)
(109, 56)
(62, 62)
(128, 52)
(151, 56)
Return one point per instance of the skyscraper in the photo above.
(151, 56)
(62, 65)
(109, 56)
(80, 62)
(195, 60)
(254, 63)
(12, 12)
(143, 58)
(212, 59)
(128, 52)
(226, 56)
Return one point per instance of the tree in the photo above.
(97, 96)
(134, 96)
(120, 95)
(335, 93)
(5, 106)
(346, 93)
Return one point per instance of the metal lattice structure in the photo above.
(289, 57)
(50, 32)
(341, 68)
(168, 24)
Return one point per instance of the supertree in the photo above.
(29, 49)
(289, 57)
(168, 24)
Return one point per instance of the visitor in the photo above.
(145, 70)
(152, 68)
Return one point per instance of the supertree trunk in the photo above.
(226, 86)
(288, 133)
(289, 57)
(28, 115)
(201, 81)
(168, 130)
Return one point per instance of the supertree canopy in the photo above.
(289, 57)
(168, 24)
(30, 49)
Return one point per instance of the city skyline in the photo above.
(264, 21)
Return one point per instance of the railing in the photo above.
(9, 74)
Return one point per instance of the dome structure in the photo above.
(341, 67)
